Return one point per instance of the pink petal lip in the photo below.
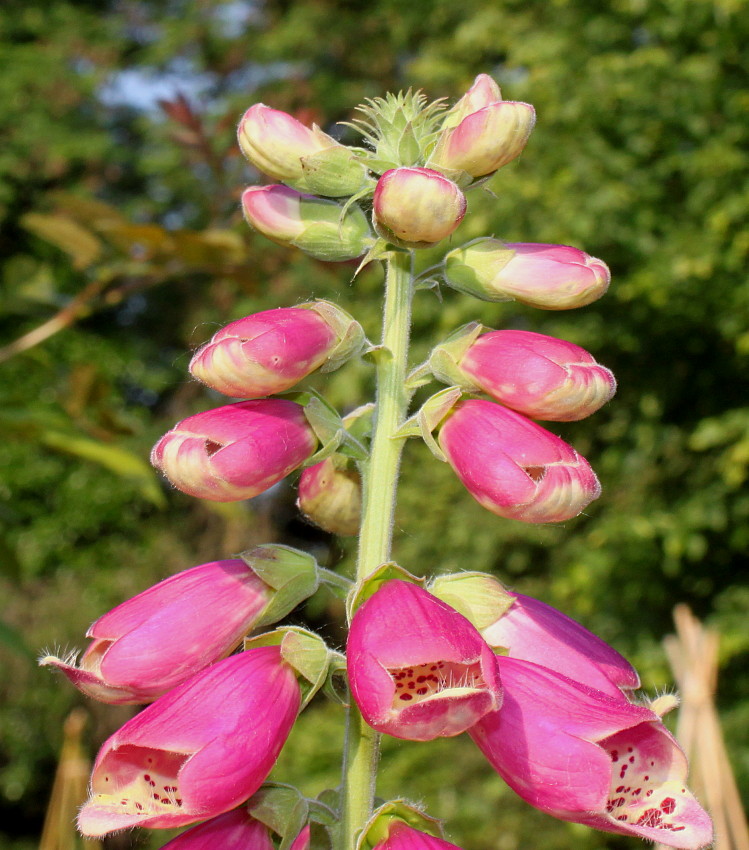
(417, 668)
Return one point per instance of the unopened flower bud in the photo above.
(537, 375)
(236, 451)
(286, 150)
(417, 207)
(552, 277)
(139, 651)
(513, 467)
(269, 352)
(482, 132)
(330, 495)
(317, 226)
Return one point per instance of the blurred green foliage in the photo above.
(122, 248)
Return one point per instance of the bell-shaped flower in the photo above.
(235, 451)
(329, 495)
(531, 630)
(551, 277)
(537, 375)
(269, 352)
(199, 751)
(286, 150)
(418, 669)
(514, 467)
(235, 830)
(155, 641)
(416, 207)
(586, 757)
(319, 227)
(401, 836)
(482, 132)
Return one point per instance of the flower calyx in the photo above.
(304, 651)
(376, 831)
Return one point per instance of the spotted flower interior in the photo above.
(142, 781)
(419, 683)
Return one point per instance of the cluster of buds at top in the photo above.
(419, 161)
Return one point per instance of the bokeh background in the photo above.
(122, 249)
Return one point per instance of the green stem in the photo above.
(379, 489)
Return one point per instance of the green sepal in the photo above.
(445, 358)
(335, 172)
(374, 581)
(379, 250)
(359, 422)
(428, 417)
(303, 650)
(291, 573)
(377, 354)
(338, 693)
(377, 829)
(351, 338)
(281, 808)
(479, 597)
(420, 376)
(327, 424)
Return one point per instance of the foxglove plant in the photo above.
(548, 703)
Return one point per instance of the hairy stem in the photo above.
(379, 489)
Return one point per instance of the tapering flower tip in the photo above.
(537, 375)
(418, 669)
(158, 639)
(235, 830)
(285, 149)
(586, 757)
(317, 226)
(531, 630)
(482, 132)
(417, 207)
(330, 495)
(269, 352)
(168, 766)
(236, 451)
(484, 92)
(401, 836)
(550, 277)
(513, 467)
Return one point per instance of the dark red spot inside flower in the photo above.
(668, 805)
(650, 817)
(406, 697)
(211, 447)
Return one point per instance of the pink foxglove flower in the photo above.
(483, 132)
(197, 752)
(159, 638)
(285, 149)
(533, 631)
(418, 669)
(586, 757)
(236, 451)
(330, 495)
(235, 830)
(513, 467)
(537, 375)
(317, 226)
(266, 353)
(417, 207)
(551, 277)
(401, 836)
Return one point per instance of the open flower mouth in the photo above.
(419, 683)
(211, 447)
(642, 793)
(140, 781)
